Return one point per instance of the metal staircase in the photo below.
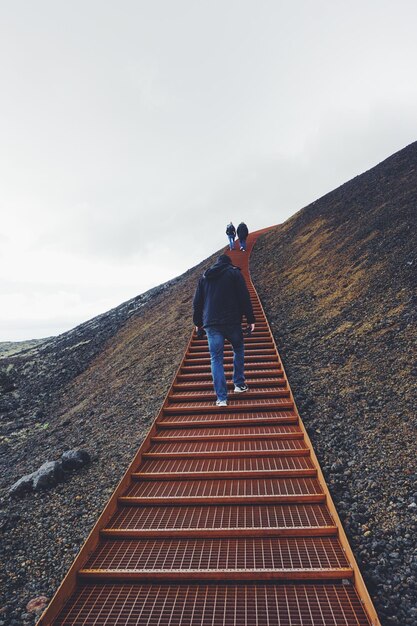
(223, 517)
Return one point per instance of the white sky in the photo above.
(131, 132)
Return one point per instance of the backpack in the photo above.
(230, 230)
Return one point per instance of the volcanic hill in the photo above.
(338, 283)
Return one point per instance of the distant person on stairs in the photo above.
(231, 233)
(242, 233)
(220, 300)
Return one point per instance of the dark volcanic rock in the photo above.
(74, 459)
(23, 485)
(48, 475)
(7, 383)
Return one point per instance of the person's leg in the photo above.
(216, 346)
(243, 244)
(235, 335)
(231, 242)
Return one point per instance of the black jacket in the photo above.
(222, 297)
(242, 231)
(231, 230)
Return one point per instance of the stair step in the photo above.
(269, 358)
(259, 446)
(250, 343)
(220, 455)
(171, 469)
(236, 433)
(242, 404)
(229, 419)
(198, 354)
(221, 558)
(187, 368)
(250, 374)
(219, 604)
(251, 382)
(227, 449)
(207, 490)
(225, 520)
(254, 394)
(255, 337)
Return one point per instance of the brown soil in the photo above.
(338, 283)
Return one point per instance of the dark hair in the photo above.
(223, 258)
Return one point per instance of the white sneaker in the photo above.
(241, 388)
(221, 402)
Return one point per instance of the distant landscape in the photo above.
(12, 348)
(338, 282)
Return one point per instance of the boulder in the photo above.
(48, 475)
(23, 485)
(74, 459)
(51, 473)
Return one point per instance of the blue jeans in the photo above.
(231, 242)
(216, 336)
(242, 243)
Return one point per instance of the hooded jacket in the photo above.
(231, 230)
(222, 296)
(242, 231)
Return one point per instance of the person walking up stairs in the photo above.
(242, 233)
(220, 300)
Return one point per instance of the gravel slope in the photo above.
(338, 282)
(97, 387)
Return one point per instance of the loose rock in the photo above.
(37, 605)
(74, 459)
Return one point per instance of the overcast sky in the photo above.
(131, 132)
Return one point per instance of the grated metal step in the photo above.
(220, 449)
(240, 489)
(281, 519)
(273, 431)
(242, 604)
(292, 558)
(290, 466)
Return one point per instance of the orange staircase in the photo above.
(223, 517)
